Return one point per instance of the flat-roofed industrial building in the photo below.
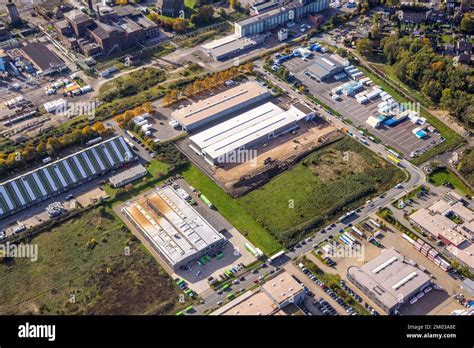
(227, 141)
(128, 175)
(388, 280)
(220, 105)
(232, 46)
(437, 225)
(325, 67)
(59, 176)
(173, 227)
(270, 299)
(272, 19)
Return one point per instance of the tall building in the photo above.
(13, 15)
(170, 8)
(270, 20)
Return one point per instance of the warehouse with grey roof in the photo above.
(389, 280)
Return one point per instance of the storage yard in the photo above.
(358, 99)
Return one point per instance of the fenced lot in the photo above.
(400, 137)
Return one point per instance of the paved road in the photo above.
(416, 178)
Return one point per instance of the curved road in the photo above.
(416, 178)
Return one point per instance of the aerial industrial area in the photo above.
(252, 157)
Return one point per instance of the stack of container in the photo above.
(432, 254)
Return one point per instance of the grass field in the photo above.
(233, 211)
(85, 259)
(324, 185)
(445, 175)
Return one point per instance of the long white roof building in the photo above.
(44, 182)
(242, 131)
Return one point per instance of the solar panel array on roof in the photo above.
(53, 178)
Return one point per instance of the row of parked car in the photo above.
(358, 298)
(325, 307)
(328, 291)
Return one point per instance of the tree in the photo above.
(174, 94)
(232, 4)
(364, 46)
(222, 13)
(179, 25)
(99, 128)
(467, 23)
(167, 100)
(53, 145)
(87, 131)
(247, 9)
(147, 107)
(248, 67)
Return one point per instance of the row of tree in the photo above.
(124, 120)
(206, 84)
(203, 15)
(416, 64)
(30, 154)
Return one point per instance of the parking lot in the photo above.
(400, 137)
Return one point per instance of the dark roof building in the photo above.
(13, 15)
(113, 30)
(170, 8)
(45, 61)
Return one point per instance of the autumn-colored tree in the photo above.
(87, 131)
(99, 128)
(174, 94)
(437, 66)
(197, 87)
(249, 67)
(179, 25)
(53, 145)
(122, 2)
(188, 90)
(167, 100)
(147, 107)
(41, 148)
(232, 4)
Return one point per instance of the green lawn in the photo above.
(316, 191)
(157, 169)
(232, 210)
(445, 175)
(86, 256)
